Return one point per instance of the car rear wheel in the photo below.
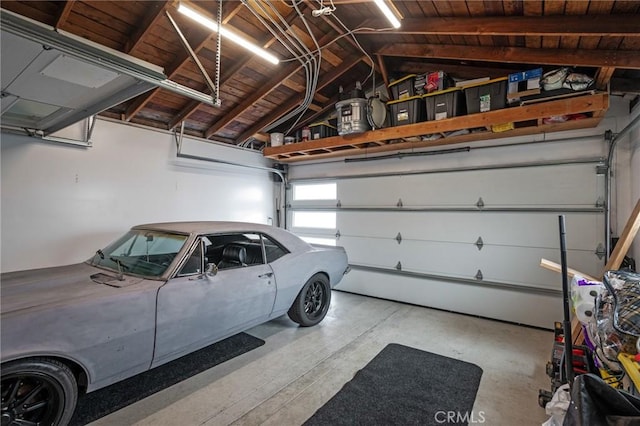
(37, 391)
(312, 303)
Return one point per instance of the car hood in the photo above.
(48, 286)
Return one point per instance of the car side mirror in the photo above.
(211, 269)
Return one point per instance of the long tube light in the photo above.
(388, 13)
(238, 39)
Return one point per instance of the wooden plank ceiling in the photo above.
(467, 39)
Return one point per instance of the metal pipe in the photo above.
(458, 280)
(456, 209)
(401, 155)
(458, 169)
(279, 173)
(613, 141)
(566, 323)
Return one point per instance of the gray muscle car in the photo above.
(159, 292)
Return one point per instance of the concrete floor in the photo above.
(298, 369)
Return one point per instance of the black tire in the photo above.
(312, 303)
(38, 391)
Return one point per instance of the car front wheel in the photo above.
(37, 391)
(312, 303)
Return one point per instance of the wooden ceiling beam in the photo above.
(577, 57)
(267, 88)
(294, 101)
(64, 14)
(329, 106)
(270, 85)
(156, 12)
(229, 73)
(385, 74)
(561, 25)
(603, 77)
(173, 69)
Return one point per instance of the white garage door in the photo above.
(463, 240)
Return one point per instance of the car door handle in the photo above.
(267, 275)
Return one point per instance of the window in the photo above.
(141, 252)
(194, 264)
(272, 249)
(306, 219)
(318, 240)
(315, 191)
(241, 249)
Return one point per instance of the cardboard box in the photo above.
(523, 83)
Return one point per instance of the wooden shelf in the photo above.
(527, 120)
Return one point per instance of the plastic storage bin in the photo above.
(445, 104)
(403, 88)
(486, 96)
(407, 111)
(322, 130)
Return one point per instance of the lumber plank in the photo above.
(555, 267)
(615, 260)
(626, 238)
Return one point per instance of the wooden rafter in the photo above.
(295, 100)
(270, 85)
(603, 77)
(156, 12)
(578, 57)
(385, 76)
(175, 67)
(228, 74)
(64, 13)
(562, 25)
(267, 88)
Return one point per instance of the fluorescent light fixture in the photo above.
(388, 13)
(212, 25)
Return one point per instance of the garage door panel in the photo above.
(538, 310)
(530, 186)
(522, 265)
(517, 265)
(437, 260)
(511, 229)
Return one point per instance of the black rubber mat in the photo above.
(405, 386)
(98, 404)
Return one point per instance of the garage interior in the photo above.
(121, 113)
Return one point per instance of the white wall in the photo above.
(61, 202)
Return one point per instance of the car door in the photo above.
(195, 309)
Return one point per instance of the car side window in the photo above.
(194, 263)
(242, 250)
(272, 249)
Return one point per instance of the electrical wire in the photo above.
(307, 59)
(310, 58)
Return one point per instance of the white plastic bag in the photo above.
(558, 406)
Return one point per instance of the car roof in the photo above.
(206, 227)
(283, 236)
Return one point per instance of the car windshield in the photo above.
(140, 252)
